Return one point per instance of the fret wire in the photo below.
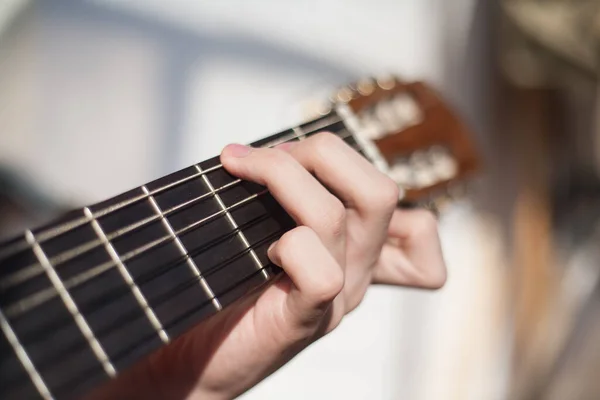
(67, 226)
(186, 284)
(205, 303)
(369, 148)
(325, 123)
(52, 232)
(242, 253)
(191, 264)
(103, 267)
(234, 224)
(34, 242)
(202, 305)
(224, 264)
(47, 294)
(43, 296)
(71, 306)
(23, 357)
(24, 274)
(215, 269)
(156, 324)
(299, 133)
(181, 287)
(34, 269)
(283, 139)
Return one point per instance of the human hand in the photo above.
(350, 235)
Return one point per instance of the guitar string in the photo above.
(327, 122)
(168, 295)
(167, 266)
(224, 264)
(208, 303)
(42, 296)
(35, 269)
(158, 301)
(31, 271)
(143, 340)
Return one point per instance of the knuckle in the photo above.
(288, 243)
(330, 281)
(327, 138)
(386, 196)
(330, 285)
(324, 141)
(274, 157)
(438, 279)
(267, 158)
(434, 278)
(335, 217)
(389, 193)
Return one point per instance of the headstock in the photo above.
(422, 144)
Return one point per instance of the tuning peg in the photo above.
(386, 82)
(316, 108)
(344, 95)
(365, 87)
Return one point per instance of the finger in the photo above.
(316, 276)
(363, 189)
(351, 177)
(298, 192)
(414, 255)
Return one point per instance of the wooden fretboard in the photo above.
(90, 294)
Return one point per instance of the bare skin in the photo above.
(342, 245)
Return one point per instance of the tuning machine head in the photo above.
(426, 146)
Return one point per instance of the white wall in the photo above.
(91, 115)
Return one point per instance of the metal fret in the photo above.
(234, 225)
(117, 231)
(300, 135)
(326, 122)
(23, 357)
(67, 226)
(34, 269)
(71, 306)
(191, 264)
(58, 229)
(156, 324)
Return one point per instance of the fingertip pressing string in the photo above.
(28, 273)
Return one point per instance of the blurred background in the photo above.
(99, 96)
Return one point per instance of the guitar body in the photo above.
(90, 294)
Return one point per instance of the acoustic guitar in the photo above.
(88, 295)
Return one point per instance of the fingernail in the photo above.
(237, 150)
(271, 246)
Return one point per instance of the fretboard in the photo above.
(88, 295)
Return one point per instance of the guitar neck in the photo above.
(90, 294)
